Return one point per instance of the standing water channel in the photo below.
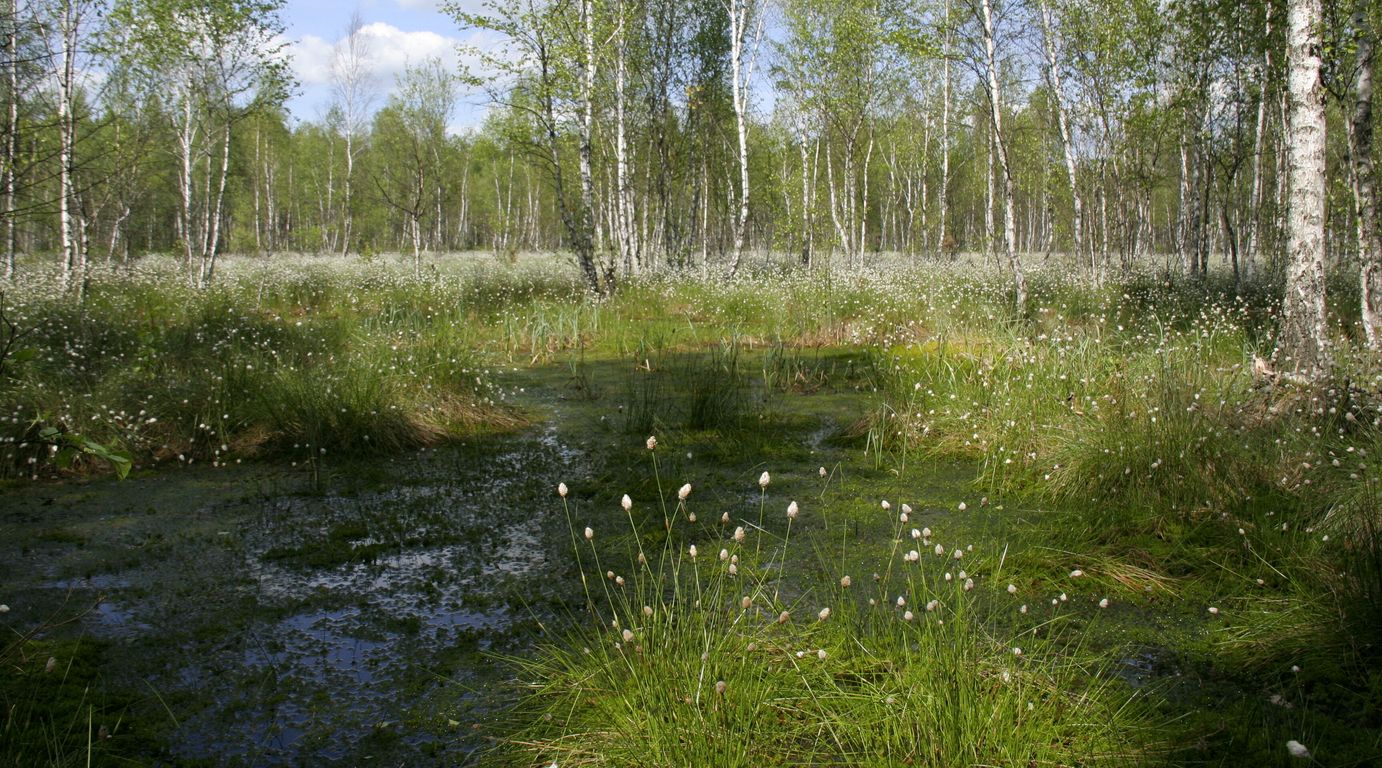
(272, 622)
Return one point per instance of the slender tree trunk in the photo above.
(1063, 122)
(1365, 181)
(213, 241)
(1303, 344)
(740, 76)
(72, 268)
(1009, 197)
(12, 141)
(623, 200)
(943, 194)
(587, 128)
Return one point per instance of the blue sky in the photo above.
(397, 32)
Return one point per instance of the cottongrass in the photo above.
(701, 663)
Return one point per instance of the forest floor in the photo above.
(341, 539)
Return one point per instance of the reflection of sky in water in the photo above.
(319, 663)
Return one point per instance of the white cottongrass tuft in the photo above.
(652, 443)
(1297, 750)
(589, 533)
(1012, 589)
(561, 490)
(626, 503)
(1103, 603)
(908, 616)
(684, 491)
(822, 471)
(1213, 611)
(821, 654)
(792, 511)
(1077, 573)
(784, 617)
(647, 610)
(692, 551)
(824, 614)
(720, 687)
(845, 581)
(724, 554)
(628, 636)
(739, 534)
(764, 479)
(963, 506)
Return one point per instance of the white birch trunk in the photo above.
(1302, 344)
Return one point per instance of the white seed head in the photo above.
(746, 602)
(626, 503)
(692, 551)
(724, 519)
(1103, 603)
(561, 490)
(647, 610)
(963, 506)
(652, 443)
(1012, 589)
(628, 636)
(720, 687)
(724, 554)
(908, 615)
(821, 654)
(845, 582)
(822, 471)
(1213, 611)
(1077, 573)
(589, 533)
(886, 505)
(792, 511)
(739, 534)
(684, 491)
(1297, 750)
(784, 617)
(764, 479)
(824, 614)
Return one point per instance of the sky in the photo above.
(398, 32)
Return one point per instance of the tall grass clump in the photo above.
(714, 650)
(278, 359)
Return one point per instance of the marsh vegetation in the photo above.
(885, 520)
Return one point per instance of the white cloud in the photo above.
(391, 50)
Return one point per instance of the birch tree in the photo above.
(1302, 346)
(745, 33)
(1000, 146)
(352, 82)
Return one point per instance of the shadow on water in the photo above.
(270, 620)
(286, 625)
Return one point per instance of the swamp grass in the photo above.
(1124, 430)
